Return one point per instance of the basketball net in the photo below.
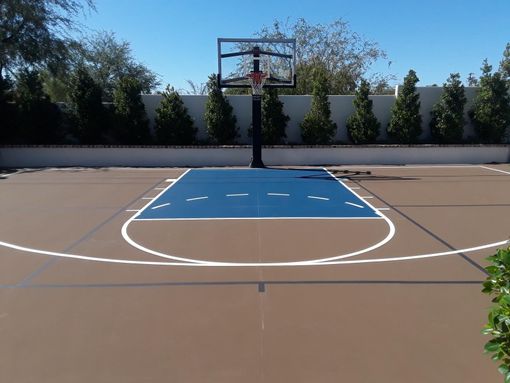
(257, 81)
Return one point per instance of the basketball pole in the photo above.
(256, 117)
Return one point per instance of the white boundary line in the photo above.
(150, 263)
(254, 218)
(129, 240)
(495, 170)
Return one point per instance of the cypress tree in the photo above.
(88, 115)
(131, 122)
(362, 125)
(447, 123)
(317, 127)
(274, 121)
(405, 121)
(173, 124)
(39, 120)
(491, 109)
(219, 117)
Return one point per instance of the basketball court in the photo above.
(357, 274)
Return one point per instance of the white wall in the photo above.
(297, 106)
(19, 157)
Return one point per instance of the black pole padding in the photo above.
(256, 118)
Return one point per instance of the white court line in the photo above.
(151, 198)
(320, 198)
(381, 243)
(196, 198)
(367, 197)
(279, 194)
(233, 264)
(159, 188)
(160, 206)
(495, 170)
(171, 180)
(237, 195)
(355, 188)
(383, 208)
(354, 204)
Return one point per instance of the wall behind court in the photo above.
(297, 106)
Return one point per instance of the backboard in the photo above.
(276, 58)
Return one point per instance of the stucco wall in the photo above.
(297, 106)
(17, 157)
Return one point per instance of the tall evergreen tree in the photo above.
(362, 125)
(447, 122)
(131, 122)
(504, 65)
(173, 124)
(39, 120)
(7, 111)
(317, 126)
(219, 117)
(88, 115)
(405, 121)
(491, 109)
(274, 121)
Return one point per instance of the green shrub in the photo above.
(405, 121)
(498, 326)
(491, 109)
(88, 117)
(39, 120)
(219, 118)
(8, 111)
(447, 122)
(317, 127)
(173, 124)
(362, 125)
(274, 121)
(131, 125)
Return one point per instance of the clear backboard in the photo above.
(276, 59)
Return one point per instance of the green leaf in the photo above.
(504, 369)
(492, 346)
(507, 377)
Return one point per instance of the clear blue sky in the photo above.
(177, 39)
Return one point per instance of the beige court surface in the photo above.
(80, 303)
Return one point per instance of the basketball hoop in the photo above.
(257, 81)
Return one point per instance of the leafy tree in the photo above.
(198, 89)
(498, 325)
(345, 55)
(274, 121)
(107, 60)
(131, 122)
(36, 32)
(447, 122)
(219, 118)
(362, 125)
(88, 115)
(7, 111)
(472, 80)
(317, 127)
(405, 121)
(174, 126)
(39, 120)
(491, 109)
(110, 60)
(504, 65)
